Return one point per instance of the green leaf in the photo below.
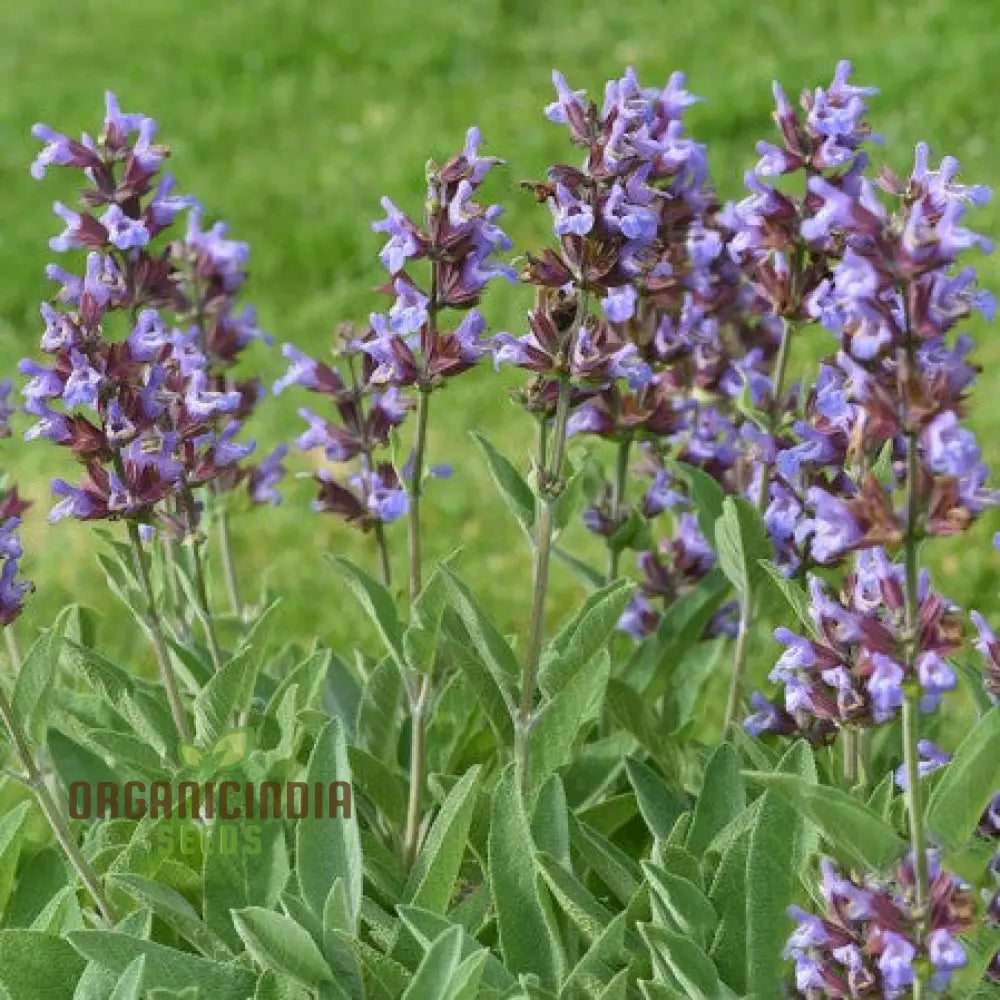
(129, 985)
(690, 966)
(683, 624)
(525, 939)
(576, 644)
(427, 927)
(377, 724)
(36, 679)
(853, 832)
(513, 488)
(271, 986)
(377, 602)
(235, 877)
(10, 849)
(435, 872)
(277, 942)
(742, 541)
(792, 592)
(329, 848)
(563, 717)
(36, 966)
(728, 895)
(968, 782)
(722, 799)
(174, 910)
(494, 652)
(116, 951)
(609, 862)
(707, 496)
(576, 900)
(225, 697)
(680, 905)
(659, 805)
(439, 964)
(771, 877)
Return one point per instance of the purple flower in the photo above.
(885, 687)
(124, 232)
(266, 476)
(896, 963)
(930, 758)
(403, 244)
(835, 530)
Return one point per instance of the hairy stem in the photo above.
(550, 484)
(13, 649)
(418, 767)
(204, 609)
(419, 689)
(52, 813)
(618, 498)
(911, 735)
(850, 750)
(383, 554)
(154, 628)
(747, 608)
(228, 562)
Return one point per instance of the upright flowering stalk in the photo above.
(617, 219)
(212, 271)
(893, 300)
(368, 412)
(128, 388)
(785, 256)
(458, 238)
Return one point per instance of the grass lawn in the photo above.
(290, 118)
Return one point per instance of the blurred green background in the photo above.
(290, 118)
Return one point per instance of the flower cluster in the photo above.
(899, 380)
(13, 589)
(135, 342)
(368, 412)
(460, 239)
(867, 941)
(854, 668)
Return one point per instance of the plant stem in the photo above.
(52, 813)
(419, 690)
(747, 601)
(13, 649)
(155, 629)
(418, 755)
(850, 750)
(201, 588)
(550, 483)
(204, 609)
(228, 563)
(383, 554)
(416, 475)
(618, 497)
(911, 735)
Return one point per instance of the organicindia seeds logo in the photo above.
(208, 795)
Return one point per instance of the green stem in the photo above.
(747, 602)
(52, 813)
(383, 554)
(550, 483)
(13, 648)
(419, 689)
(911, 735)
(228, 562)
(618, 498)
(204, 609)
(154, 628)
(850, 751)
